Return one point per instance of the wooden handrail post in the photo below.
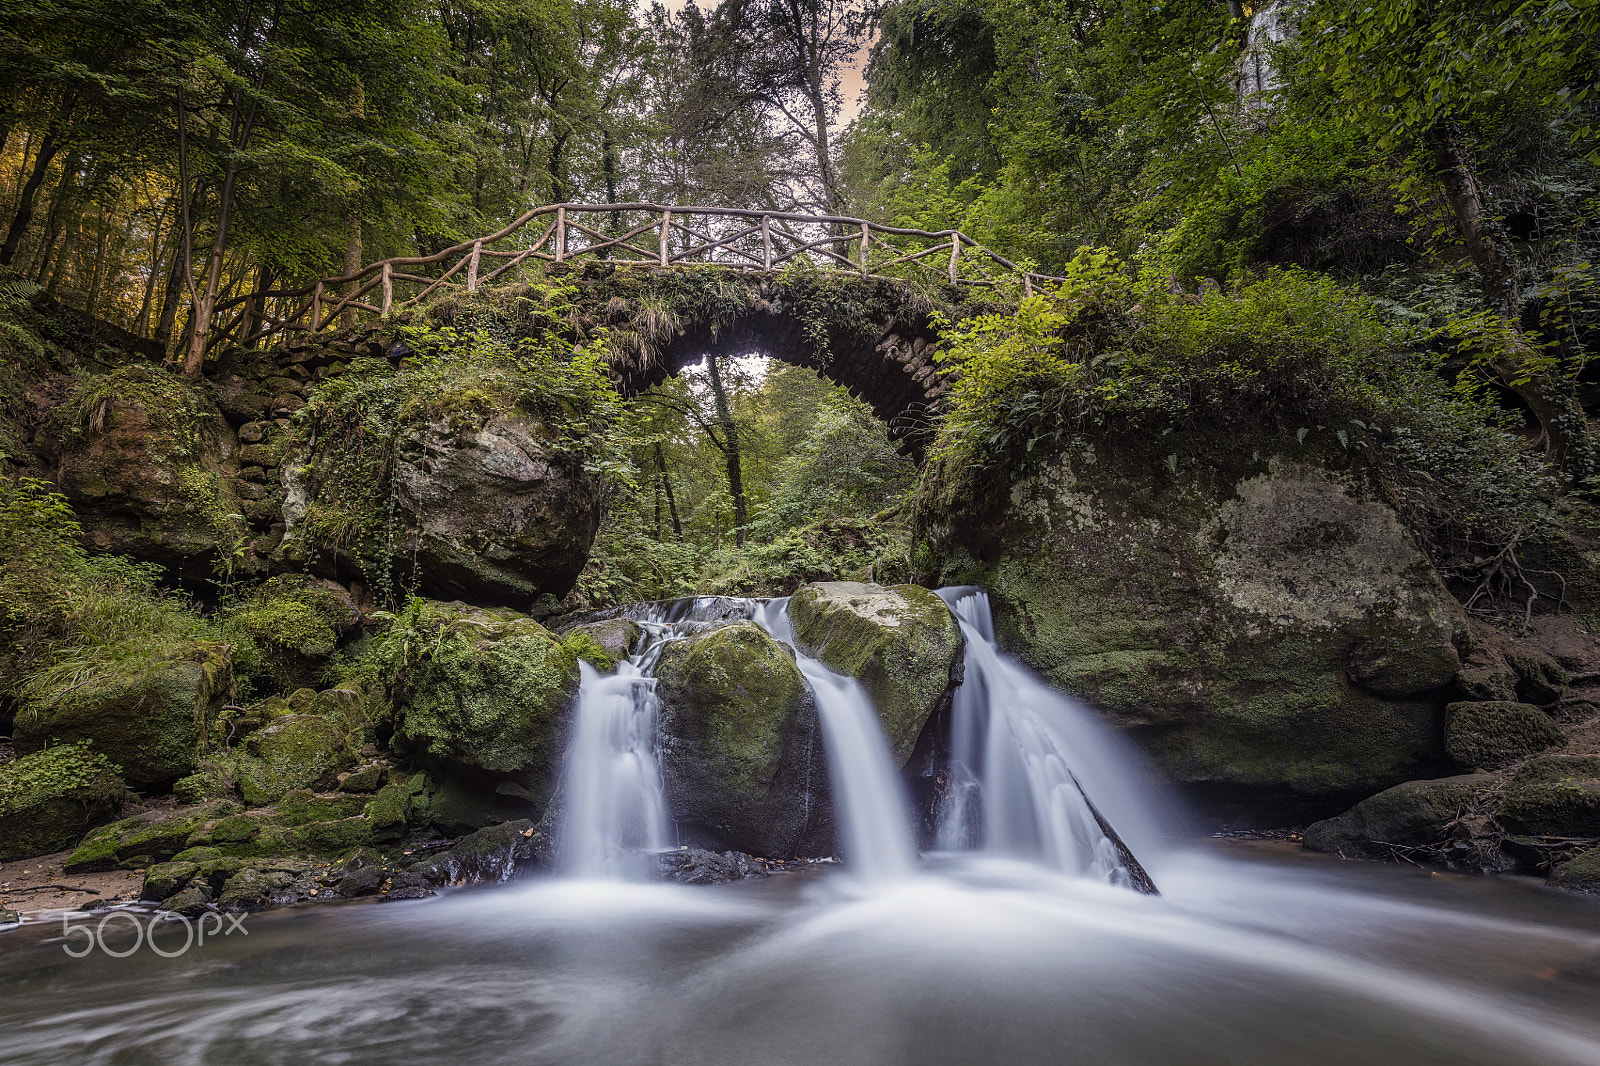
(766, 243)
(666, 228)
(1027, 284)
(865, 238)
(955, 255)
(388, 287)
(316, 307)
(561, 233)
(472, 266)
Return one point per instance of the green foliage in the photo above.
(55, 771)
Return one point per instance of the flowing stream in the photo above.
(1017, 943)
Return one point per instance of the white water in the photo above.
(869, 803)
(1026, 762)
(615, 809)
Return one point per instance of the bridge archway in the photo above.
(871, 336)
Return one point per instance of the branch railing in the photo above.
(635, 234)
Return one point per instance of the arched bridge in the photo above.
(773, 269)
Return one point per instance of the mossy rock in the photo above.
(741, 755)
(1493, 735)
(259, 886)
(301, 806)
(452, 809)
(1554, 795)
(1253, 609)
(153, 837)
(901, 643)
(1581, 872)
(149, 718)
(491, 700)
(1410, 815)
(297, 621)
(616, 637)
(299, 751)
(165, 879)
(50, 797)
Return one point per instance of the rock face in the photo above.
(901, 643)
(1415, 814)
(141, 456)
(490, 702)
(1554, 795)
(741, 749)
(149, 719)
(1492, 735)
(49, 798)
(1261, 621)
(488, 513)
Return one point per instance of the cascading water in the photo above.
(868, 798)
(1024, 763)
(614, 804)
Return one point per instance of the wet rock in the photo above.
(48, 799)
(696, 866)
(493, 855)
(1554, 795)
(166, 879)
(741, 752)
(1493, 735)
(190, 902)
(363, 882)
(1415, 814)
(901, 643)
(1255, 612)
(149, 719)
(490, 702)
(9, 917)
(615, 636)
(259, 887)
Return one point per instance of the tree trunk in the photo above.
(666, 483)
(30, 188)
(1548, 395)
(170, 298)
(730, 446)
(52, 219)
(194, 360)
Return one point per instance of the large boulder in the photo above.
(489, 701)
(1554, 795)
(150, 718)
(1259, 617)
(901, 643)
(1416, 814)
(297, 751)
(1581, 872)
(741, 750)
(49, 798)
(143, 457)
(1494, 734)
(489, 510)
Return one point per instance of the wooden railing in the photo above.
(626, 235)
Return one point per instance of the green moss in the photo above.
(1416, 814)
(731, 694)
(48, 798)
(296, 622)
(1489, 736)
(1554, 795)
(479, 692)
(298, 751)
(902, 643)
(585, 647)
(141, 840)
(1581, 872)
(301, 806)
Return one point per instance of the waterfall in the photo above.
(1024, 763)
(869, 801)
(614, 804)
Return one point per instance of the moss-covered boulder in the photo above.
(148, 717)
(1253, 609)
(1554, 795)
(901, 643)
(151, 837)
(298, 751)
(49, 798)
(741, 752)
(491, 509)
(489, 701)
(1415, 814)
(617, 637)
(1581, 872)
(297, 621)
(141, 454)
(1495, 734)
